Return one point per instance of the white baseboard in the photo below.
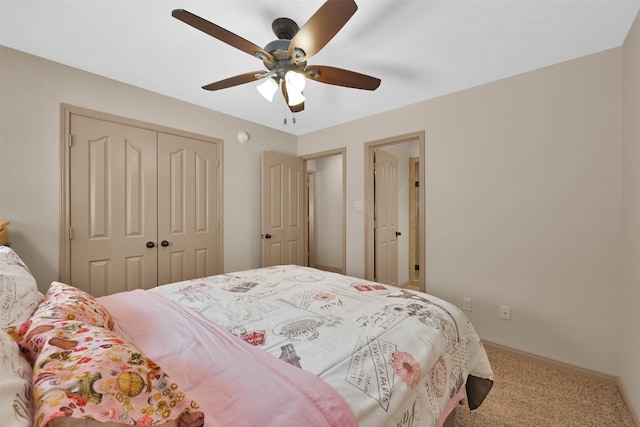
(571, 369)
(625, 396)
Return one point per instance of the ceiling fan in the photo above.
(286, 58)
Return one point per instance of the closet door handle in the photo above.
(398, 234)
(267, 236)
(150, 244)
(164, 243)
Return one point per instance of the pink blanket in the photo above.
(233, 382)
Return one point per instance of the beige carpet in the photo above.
(529, 394)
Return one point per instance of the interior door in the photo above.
(386, 217)
(188, 214)
(113, 191)
(282, 210)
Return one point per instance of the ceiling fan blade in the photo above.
(322, 26)
(340, 77)
(235, 81)
(218, 32)
(293, 108)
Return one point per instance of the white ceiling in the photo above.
(420, 49)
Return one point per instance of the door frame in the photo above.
(369, 216)
(66, 110)
(310, 220)
(319, 155)
(413, 220)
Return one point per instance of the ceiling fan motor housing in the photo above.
(280, 61)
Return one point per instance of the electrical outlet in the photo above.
(505, 312)
(466, 304)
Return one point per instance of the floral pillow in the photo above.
(16, 405)
(65, 302)
(62, 303)
(87, 372)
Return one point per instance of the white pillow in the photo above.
(19, 295)
(16, 402)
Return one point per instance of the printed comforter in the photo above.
(397, 357)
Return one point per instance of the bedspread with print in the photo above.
(396, 356)
(235, 384)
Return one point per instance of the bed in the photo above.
(277, 346)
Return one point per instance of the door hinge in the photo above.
(70, 233)
(417, 183)
(218, 162)
(70, 140)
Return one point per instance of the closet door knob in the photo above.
(267, 236)
(164, 243)
(150, 244)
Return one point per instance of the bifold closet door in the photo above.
(113, 193)
(188, 211)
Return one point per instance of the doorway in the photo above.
(326, 201)
(410, 270)
(313, 188)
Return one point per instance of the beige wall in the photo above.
(523, 204)
(31, 91)
(630, 349)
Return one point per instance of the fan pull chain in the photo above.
(293, 120)
(293, 117)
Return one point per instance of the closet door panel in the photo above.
(188, 208)
(113, 189)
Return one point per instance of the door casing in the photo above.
(369, 207)
(414, 227)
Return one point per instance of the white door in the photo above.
(188, 213)
(113, 206)
(386, 217)
(282, 210)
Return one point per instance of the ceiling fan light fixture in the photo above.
(268, 88)
(294, 97)
(295, 82)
